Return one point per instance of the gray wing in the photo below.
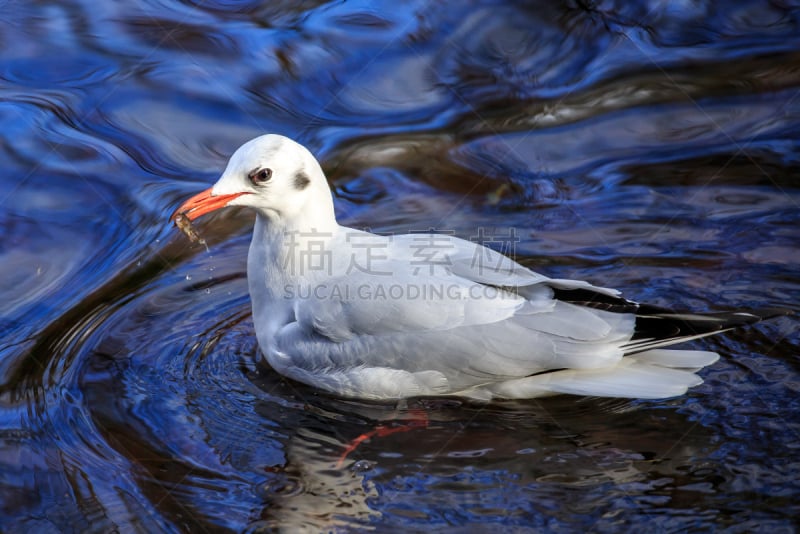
(454, 322)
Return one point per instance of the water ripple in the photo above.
(650, 146)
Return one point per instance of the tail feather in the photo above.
(660, 327)
(629, 378)
(649, 371)
(663, 329)
(677, 359)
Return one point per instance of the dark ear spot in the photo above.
(301, 181)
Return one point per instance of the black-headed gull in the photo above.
(388, 317)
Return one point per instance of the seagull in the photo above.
(387, 317)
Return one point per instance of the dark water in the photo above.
(649, 146)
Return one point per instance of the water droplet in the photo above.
(208, 291)
(469, 454)
(362, 466)
(139, 263)
(188, 277)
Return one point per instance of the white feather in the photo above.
(628, 379)
(686, 359)
(385, 317)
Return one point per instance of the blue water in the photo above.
(649, 146)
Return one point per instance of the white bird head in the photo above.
(274, 175)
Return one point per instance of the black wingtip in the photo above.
(723, 320)
(769, 313)
(664, 329)
(734, 319)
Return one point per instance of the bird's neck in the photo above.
(283, 262)
(290, 249)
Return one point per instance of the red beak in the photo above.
(203, 203)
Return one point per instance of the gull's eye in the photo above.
(260, 176)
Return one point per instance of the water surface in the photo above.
(647, 146)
